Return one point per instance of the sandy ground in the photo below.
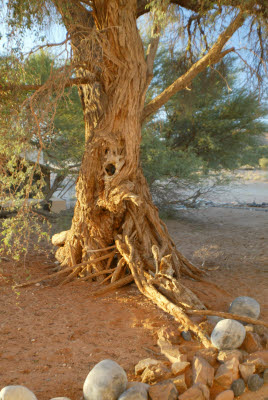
(50, 336)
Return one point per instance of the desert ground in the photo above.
(52, 336)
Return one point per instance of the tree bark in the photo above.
(114, 205)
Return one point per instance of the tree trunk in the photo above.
(114, 215)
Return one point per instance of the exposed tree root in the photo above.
(248, 320)
(44, 278)
(120, 283)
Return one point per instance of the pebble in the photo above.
(228, 334)
(60, 398)
(255, 382)
(245, 306)
(16, 392)
(238, 387)
(106, 381)
(186, 335)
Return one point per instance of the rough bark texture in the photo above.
(116, 225)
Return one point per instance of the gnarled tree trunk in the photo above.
(114, 209)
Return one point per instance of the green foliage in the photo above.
(220, 127)
(59, 135)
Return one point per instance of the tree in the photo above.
(201, 133)
(114, 208)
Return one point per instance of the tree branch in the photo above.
(29, 88)
(151, 53)
(214, 55)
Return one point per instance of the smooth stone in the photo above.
(245, 306)
(255, 382)
(238, 387)
(17, 392)
(60, 398)
(134, 393)
(106, 381)
(186, 335)
(228, 334)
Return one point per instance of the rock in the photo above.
(238, 387)
(245, 306)
(170, 351)
(142, 364)
(186, 335)
(210, 355)
(246, 370)
(260, 330)
(168, 335)
(252, 342)
(163, 391)
(154, 373)
(227, 373)
(249, 328)
(204, 389)
(179, 382)
(106, 381)
(265, 376)
(59, 238)
(140, 385)
(196, 392)
(179, 367)
(134, 393)
(228, 334)
(226, 355)
(203, 372)
(16, 392)
(60, 398)
(259, 359)
(226, 395)
(255, 382)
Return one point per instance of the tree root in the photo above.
(146, 287)
(120, 283)
(44, 278)
(252, 321)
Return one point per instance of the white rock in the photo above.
(59, 238)
(228, 334)
(245, 306)
(16, 392)
(106, 381)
